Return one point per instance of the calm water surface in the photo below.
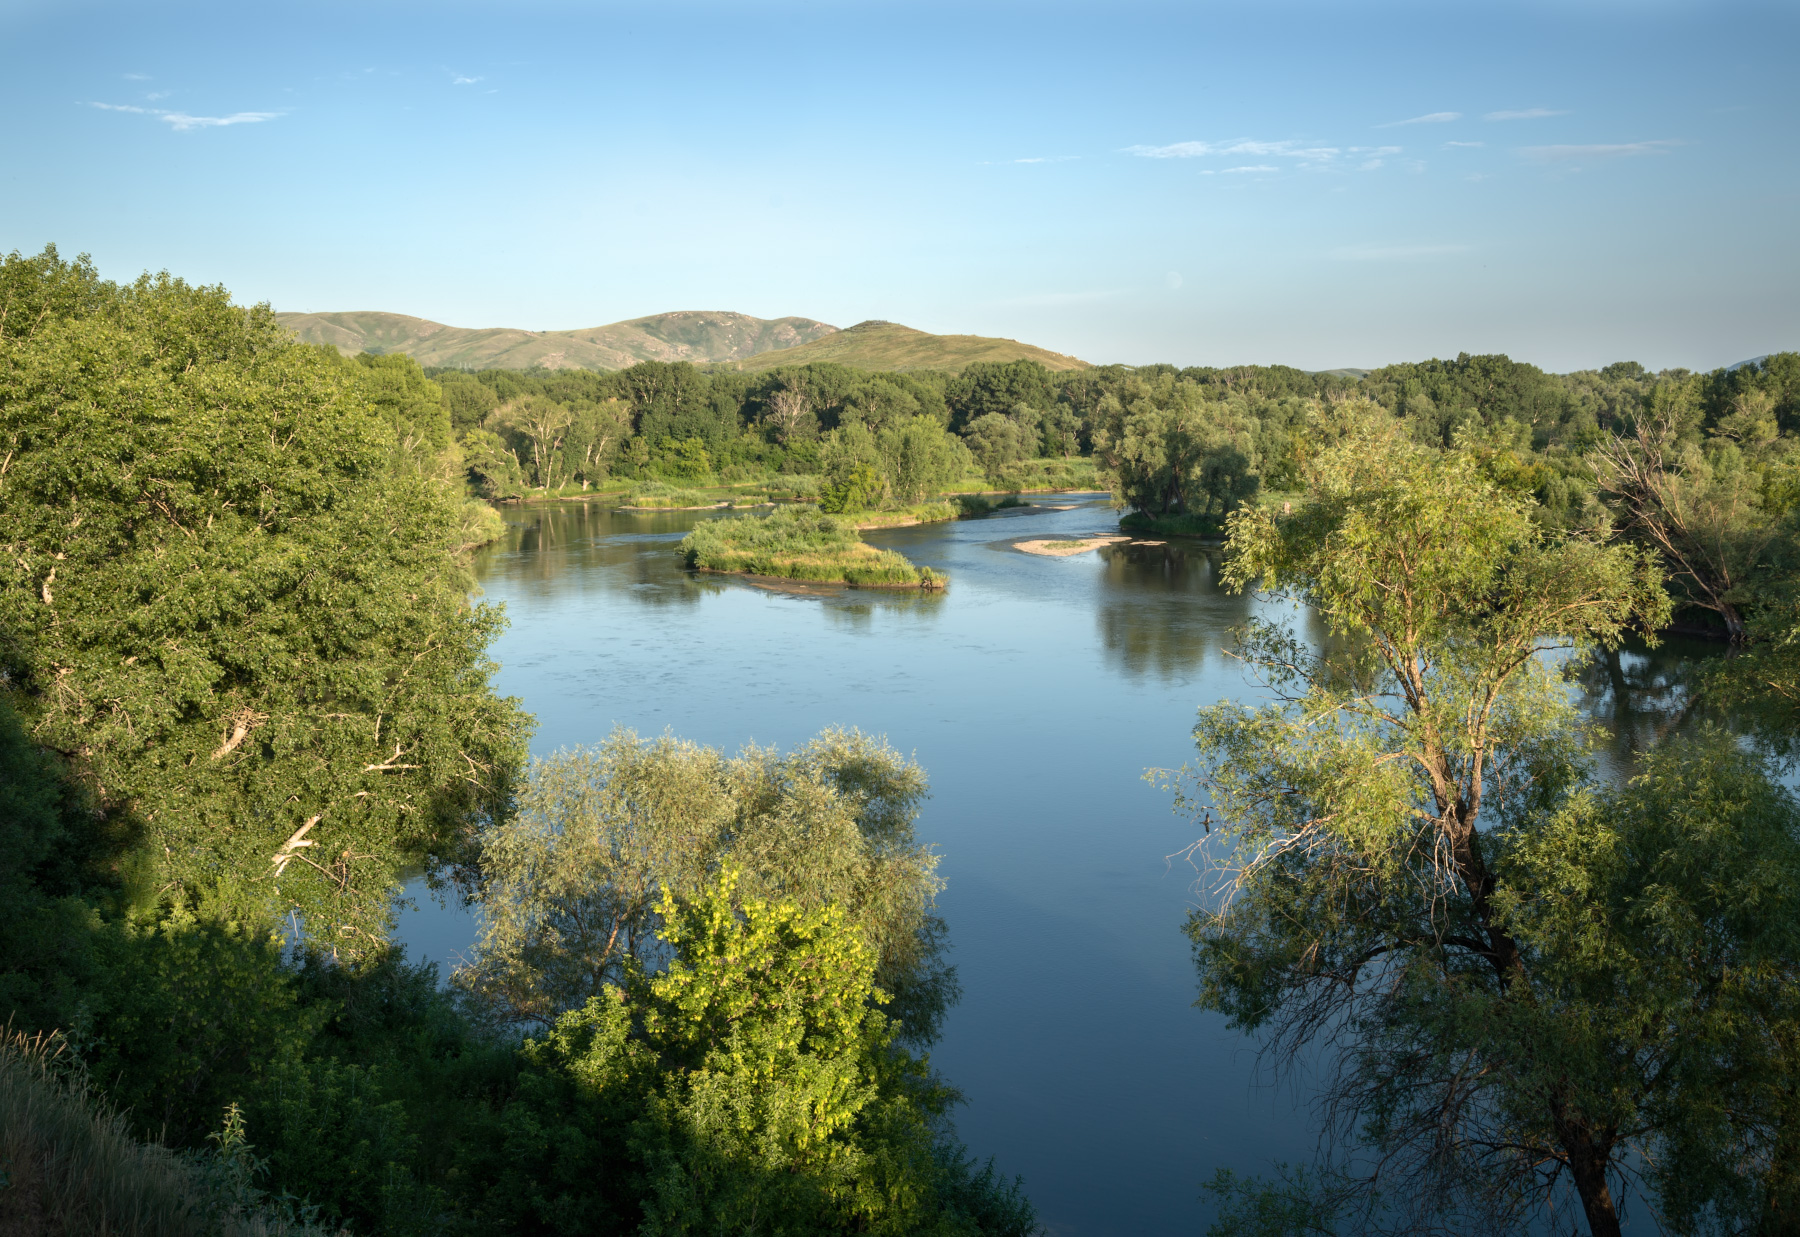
(1035, 693)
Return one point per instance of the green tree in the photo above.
(919, 458)
(1168, 450)
(996, 440)
(1356, 820)
(569, 888)
(767, 1091)
(1699, 506)
(231, 609)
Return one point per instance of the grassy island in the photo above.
(801, 545)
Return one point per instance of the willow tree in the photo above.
(1359, 818)
(230, 598)
(569, 888)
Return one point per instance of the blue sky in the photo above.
(1313, 184)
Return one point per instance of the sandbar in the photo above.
(1059, 548)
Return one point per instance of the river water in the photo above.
(1035, 692)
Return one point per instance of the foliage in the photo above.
(232, 599)
(800, 545)
(1166, 450)
(769, 1092)
(996, 440)
(1355, 818)
(856, 489)
(569, 889)
(1661, 922)
(1699, 506)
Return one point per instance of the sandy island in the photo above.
(1057, 548)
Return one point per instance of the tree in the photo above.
(754, 1086)
(1355, 819)
(569, 889)
(596, 435)
(1699, 507)
(1170, 451)
(543, 423)
(232, 609)
(789, 413)
(997, 440)
(919, 458)
(1661, 922)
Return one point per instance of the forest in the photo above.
(246, 688)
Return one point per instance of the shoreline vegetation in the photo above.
(802, 545)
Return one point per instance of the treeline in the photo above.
(244, 690)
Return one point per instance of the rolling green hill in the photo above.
(890, 346)
(700, 336)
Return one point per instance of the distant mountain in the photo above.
(888, 345)
(700, 336)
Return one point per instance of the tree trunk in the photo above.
(1588, 1160)
(1734, 622)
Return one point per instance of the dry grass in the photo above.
(73, 1169)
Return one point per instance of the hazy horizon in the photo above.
(1306, 184)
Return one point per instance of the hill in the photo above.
(700, 336)
(890, 346)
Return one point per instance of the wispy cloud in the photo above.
(456, 79)
(1394, 253)
(182, 121)
(1467, 144)
(1529, 113)
(1429, 118)
(135, 77)
(1046, 159)
(1304, 154)
(1614, 150)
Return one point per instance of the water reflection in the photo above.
(1641, 695)
(1161, 608)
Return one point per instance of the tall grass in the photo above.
(73, 1169)
(801, 545)
(923, 513)
(661, 494)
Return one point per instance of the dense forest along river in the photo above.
(1035, 692)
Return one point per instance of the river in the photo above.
(1035, 692)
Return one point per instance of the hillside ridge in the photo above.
(705, 337)
(880, 345)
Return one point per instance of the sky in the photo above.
(1312, 184)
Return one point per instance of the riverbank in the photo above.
(801, 545)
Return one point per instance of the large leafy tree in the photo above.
(1168, 450)
(230, 599)
(1358, 817)
(570, 888)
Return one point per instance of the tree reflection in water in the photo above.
(1161, 610)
